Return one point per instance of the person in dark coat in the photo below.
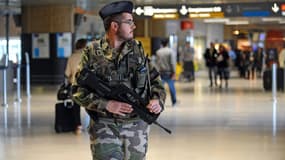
(211, 62)
(223, 65)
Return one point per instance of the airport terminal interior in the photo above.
(244, 120)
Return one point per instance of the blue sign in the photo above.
(255, 13)
(265, 9)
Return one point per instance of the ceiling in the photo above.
(94, 5)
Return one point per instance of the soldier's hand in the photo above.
(154, 106)
(119, 108)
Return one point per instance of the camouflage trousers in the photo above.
(118, 140)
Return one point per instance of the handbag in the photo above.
(64, 91)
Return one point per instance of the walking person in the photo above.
(258, 61)
(210, 57)
(116, 131)
(187, 57)
(165, 62)
(223, 65)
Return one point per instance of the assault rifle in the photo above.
(119, 92)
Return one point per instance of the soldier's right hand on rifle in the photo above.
(119, 108)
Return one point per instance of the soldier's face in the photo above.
(127, 26)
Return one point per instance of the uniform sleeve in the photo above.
(157, 88)
(83, 96)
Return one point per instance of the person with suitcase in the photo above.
(70, 70)
(187, 57)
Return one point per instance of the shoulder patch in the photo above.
(138, 43)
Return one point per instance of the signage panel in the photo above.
(40, 44)
(266, 9)
(184, 25)
(63, 45)
(255, 13)
(263, 9)
(207, 15)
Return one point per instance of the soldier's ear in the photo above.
(114, 25)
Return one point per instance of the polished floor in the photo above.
(239, 123)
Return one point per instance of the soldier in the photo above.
(116, 132)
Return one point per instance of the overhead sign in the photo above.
(186, 24)
(275, 8)
(263, 9)
(266, 9)
(150, 10)
(166, 16)
(207, 15)
(202, 11)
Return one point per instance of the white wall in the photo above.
(215, 33)
(172, 27)
(90, 24)
(202, 34)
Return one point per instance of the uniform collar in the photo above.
(111, 53)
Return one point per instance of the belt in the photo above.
(118, 120)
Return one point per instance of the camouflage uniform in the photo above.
(115, 137)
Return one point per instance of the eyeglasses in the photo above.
(129, 22)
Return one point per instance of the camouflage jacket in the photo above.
(116, 67)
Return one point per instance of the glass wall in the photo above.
(14, 48)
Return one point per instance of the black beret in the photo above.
(116, 8)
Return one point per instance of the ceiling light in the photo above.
(270, 19)
(165, 16)
(236, 32)
(216, 20)
(237, 23)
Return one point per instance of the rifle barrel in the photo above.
(161, 126)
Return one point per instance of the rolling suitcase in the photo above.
(267, 79)
(64, 117)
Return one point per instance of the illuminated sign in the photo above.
(207, 15)
(205, 9)
(265, 9)
(150, 11)
(275, 8)
(193, 11)
(202, 11)
(256, 13)
(166, 16)
(184, 25)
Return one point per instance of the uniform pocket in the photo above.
(141, 76)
